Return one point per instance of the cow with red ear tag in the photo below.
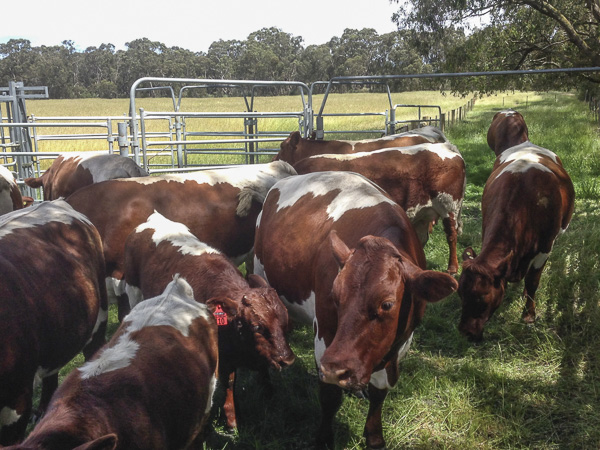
(345, 258)
(252, 320)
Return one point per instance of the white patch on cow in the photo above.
(321, 183)
(8, 416)
(134, 294)
(114, 288)
(7, 175)
(507, 112)
(102, 318)
(442, 150)
(320, 346)
(523, 165)
(441, 205)
(237, 176)
(211, 389)
(379, 379)
(39, 214)
(528, 152)
(176, 233)
(175, 307)
(539, 260)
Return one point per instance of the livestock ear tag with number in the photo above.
(220, 316)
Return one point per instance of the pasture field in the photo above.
(525, 386)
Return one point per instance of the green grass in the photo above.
(525, 386)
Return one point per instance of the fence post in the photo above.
(122, 139)
(442, 121)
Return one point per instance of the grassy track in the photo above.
(525, 386)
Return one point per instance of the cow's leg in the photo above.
(330, 396)
(49, 385)
(98, 337)
(451, 237)
(229, 405)
(373, 429)
(123, 307)
(14, 420)
(532, 280)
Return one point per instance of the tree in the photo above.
(531, 34)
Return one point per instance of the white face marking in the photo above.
(176, 233)
(175, 307)
(8, 416)
(319, 344)
(321, 183)
(39, 214)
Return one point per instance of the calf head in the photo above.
(481, 289)
(508, 128)
(380, 297)
(255, 327)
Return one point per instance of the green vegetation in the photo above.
(525, 386)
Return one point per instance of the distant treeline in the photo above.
(267, 54)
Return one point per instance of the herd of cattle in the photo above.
(333, 232)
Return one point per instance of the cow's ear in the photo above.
(108, 442)
(468, 254)
(432, 286)
(294, 139)
(256, 281)
(228, 306)
(341, 252)
(502, 267)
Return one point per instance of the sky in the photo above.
(192, 25)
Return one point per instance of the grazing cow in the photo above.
(345, 258)
(219, 206)
(149, 388)
(527, 202)
(427, 180)
(254, 320)
(295, 147)
(52, 304)
(10, 195)
(72, 171)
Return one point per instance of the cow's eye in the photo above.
(257, 328)
(386, 306)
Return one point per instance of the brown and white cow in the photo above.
(427, 180)
(72, 171)
(150, 388)
(527, 202)
(219, 206)
(10, 195)
(296, 148)
(508, 128)
(345, 258)
(253, 321)
(52, 304)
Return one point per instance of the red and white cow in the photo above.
(52, 304)
(219, 206)
(508, 128)
(253, 321)
(296, 148)
(527, 202)
(150, 388)
(344, 257)
(427, 180)
(10, 195)
(72, 171)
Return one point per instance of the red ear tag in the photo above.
(220, 316)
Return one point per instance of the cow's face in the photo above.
(380, 298)
(264, 324)
(481, 292)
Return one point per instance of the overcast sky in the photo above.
(192, 25)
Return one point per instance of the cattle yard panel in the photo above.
(421, 119)
(192, 143)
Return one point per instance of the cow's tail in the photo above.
(245, 197)
(33, 182)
